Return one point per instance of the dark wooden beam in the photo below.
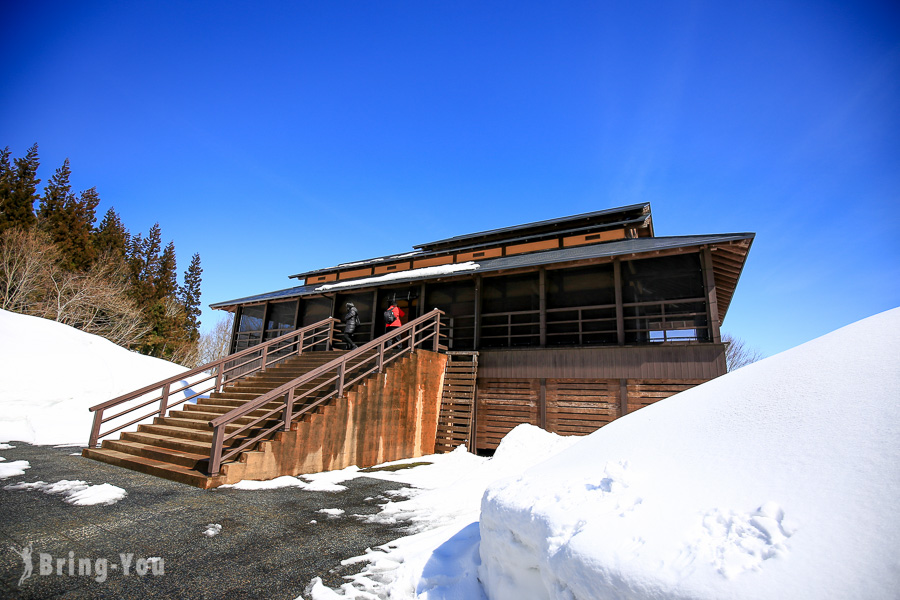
(542, 285)
(711, 300)
(620, 310)
(477, 341)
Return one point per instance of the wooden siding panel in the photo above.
(503, 404)
(581, 406)
(532, 247)
(644, 392)
(354, 274)
(594, 238)
(694, 361)
(432, 262)
(479, 254)
(322, 278)
(391, 268)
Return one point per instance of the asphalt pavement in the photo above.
(268, 546)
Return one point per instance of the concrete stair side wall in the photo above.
(393, 415)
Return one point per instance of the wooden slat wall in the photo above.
(689, 361)
(644, 392)
(573, 406)
(503, 404)
(457, 402)
(581, 406)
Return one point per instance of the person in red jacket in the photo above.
(393, 325)
(398, 312)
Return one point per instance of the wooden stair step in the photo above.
(191, 460)
(151, 467)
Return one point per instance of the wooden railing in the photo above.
(316, 387)
(217, 374)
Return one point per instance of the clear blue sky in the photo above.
(271, 137)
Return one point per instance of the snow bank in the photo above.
(50, 374)
(779, 480)
(440, 558)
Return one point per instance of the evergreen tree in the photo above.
(189, 298)
(5, 177)
(20, 191)
(166, 280)
(69, 220)
(111, 238)
(83, 216)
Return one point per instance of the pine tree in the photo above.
(189, 298)
(166, 278)
(5, 176)
(111, 238)
(20, 193)
(83, 216)
(69, 220)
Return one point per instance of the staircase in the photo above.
(457, 418)
(177, 446)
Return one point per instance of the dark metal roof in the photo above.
(639, 208)
(547, 257)
(488, 238)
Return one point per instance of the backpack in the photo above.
(389, 317)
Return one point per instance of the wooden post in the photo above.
(234, 328)
(288, 410)
(375, 312)
(215, 451)
(95, 429)
(542, 303)
(477, 340)
(381, 355)
(437, 333)
(712, 304)
(340, 386)
(623, 397)
(265, 356)
(543, 404)
(164, 401)
(620, 310)
(220, 372)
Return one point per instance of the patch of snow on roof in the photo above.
(414, 273)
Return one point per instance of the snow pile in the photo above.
(13, 469)
(318, 482)
(213, 529)
(779, 480)
(440, 558)
(52, 374)
(76, 492)
(332, 513)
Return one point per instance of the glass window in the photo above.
(281, 318)
(250, 327)
(315, 309)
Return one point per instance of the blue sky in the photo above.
(272, 137)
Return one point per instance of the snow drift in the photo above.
(779, 480)
(50, 374)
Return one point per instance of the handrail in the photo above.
(221, 370)
(337, 376)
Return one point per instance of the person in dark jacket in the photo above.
(351, 320)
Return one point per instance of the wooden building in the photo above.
(576, 321)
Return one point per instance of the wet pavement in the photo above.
(268, 547)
